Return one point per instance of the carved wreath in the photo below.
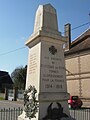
(30, 102)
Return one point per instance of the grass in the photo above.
(1, 98)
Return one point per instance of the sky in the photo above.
(17, 23)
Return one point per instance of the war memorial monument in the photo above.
(46, 68)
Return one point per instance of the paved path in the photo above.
(10, 104)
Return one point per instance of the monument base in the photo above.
(22, 117)
(67, 118)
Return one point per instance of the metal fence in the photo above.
(80, 114)
(12, 114)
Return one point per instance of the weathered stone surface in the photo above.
(46, 18)
(46, 65)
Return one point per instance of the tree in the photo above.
(19, 77)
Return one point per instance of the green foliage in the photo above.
(19, 77)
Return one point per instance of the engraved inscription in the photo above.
(33, 64)
(53, 78)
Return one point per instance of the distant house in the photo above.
(5, 81)
(77, 59)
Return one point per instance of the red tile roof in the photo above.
(82, 43)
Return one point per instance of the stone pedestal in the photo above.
(46, 66)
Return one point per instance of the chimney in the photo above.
(67, 34)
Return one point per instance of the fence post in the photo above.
(15, 94)
(74, 113)
(6, 93)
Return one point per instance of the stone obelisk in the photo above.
(46, 66)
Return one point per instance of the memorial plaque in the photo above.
(52, 68)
